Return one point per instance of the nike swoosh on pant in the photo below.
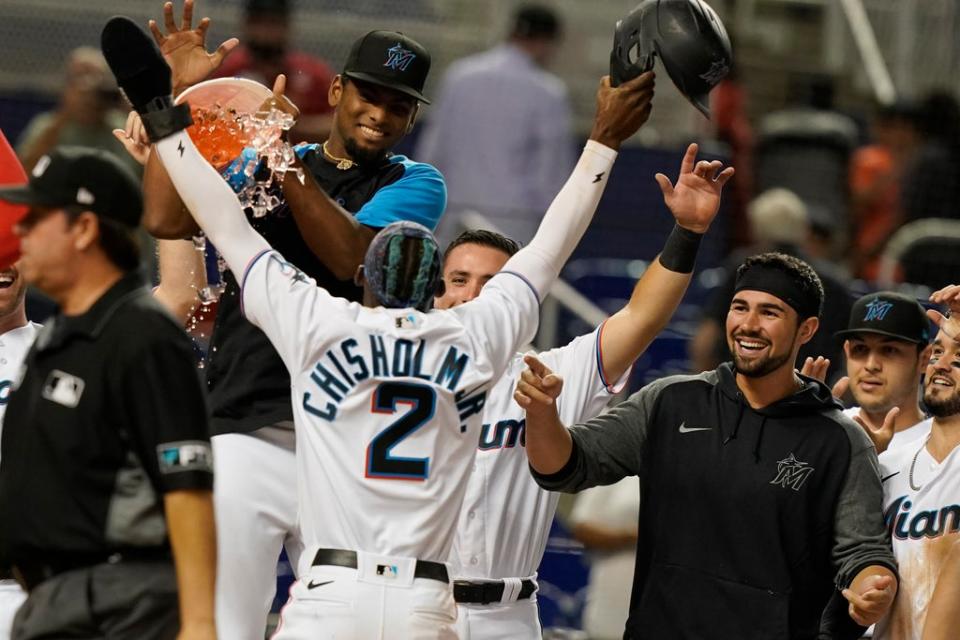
(885, 478)
(314, 585)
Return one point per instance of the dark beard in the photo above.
(760, 368)
(943, 408)
(364, 158)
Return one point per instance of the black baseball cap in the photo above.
(390, 59)
(89, 179)
(889, 314)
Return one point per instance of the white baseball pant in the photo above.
(11, 597)
(255, 499)
(518, 620)
(339, 603)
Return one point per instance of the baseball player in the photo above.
(387, 401)
(744, 458)
(921, 488)
(16, 336)
(886, 344)
(352, 187)
(495, 573)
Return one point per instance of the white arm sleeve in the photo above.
(566, 220)
(211, 202)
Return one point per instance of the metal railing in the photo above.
(906, 237)
(866, 40)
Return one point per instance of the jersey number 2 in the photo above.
(422, 400)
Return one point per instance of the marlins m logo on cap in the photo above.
(399, 58)
(877, 310)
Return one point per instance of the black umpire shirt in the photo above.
(249, 385)
(108, 416)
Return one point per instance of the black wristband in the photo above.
(680, 251)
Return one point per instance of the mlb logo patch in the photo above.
(63, 388)
(387, 571)
(408, 321)
(189, 455)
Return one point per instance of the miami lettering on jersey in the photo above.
(905, 525)
(351, 362)
(504, 434)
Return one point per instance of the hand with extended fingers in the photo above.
(538, 387)
(695, 199)
(185, 49)
(817, 368)
(134, 138)
(950, 323)
(279, 100)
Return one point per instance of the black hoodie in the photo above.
(749, 516)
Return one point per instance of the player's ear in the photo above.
(358, 277)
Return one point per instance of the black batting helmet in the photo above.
(686, 34)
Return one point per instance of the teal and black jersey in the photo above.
(248, 384)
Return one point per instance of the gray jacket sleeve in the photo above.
(608, 447)
(860, 537)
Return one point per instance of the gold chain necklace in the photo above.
(342, 163)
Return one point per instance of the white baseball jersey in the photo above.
(14, 345)
(616, 506)
(387, 403)
(922, 511)
(503, 526)
(903, 438)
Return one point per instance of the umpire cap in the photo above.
(686, 34)
(84, 178)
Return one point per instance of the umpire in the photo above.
(105, 483)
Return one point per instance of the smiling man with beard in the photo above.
(16, 336)
(921, 490)
(761, 500)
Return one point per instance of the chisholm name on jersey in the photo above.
(347, 364)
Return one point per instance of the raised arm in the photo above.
(620, 112)
(184, 49)
(211, 202)
(694, 202)
(183, 275)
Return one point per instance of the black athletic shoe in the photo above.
(144, 77)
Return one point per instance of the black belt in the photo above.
(30, 573)
(466, 592)
(348, 559)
